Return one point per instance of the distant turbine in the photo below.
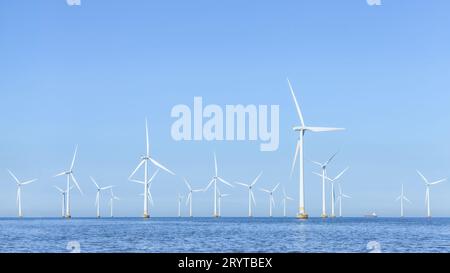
(179, 200)
(19, 191)
(63, 204)
(97, 198)
(302, 214)
(402, 198)
(216, 178)
(285, 199)
(70, 178)
(323, 167)
(219, 198)
(427, 193)
(251, 196)
(339, 199)
(190, 196)
(271, 199)
(145, 162)
(112, 198)
(333, 193)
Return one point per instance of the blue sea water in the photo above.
(260, 235)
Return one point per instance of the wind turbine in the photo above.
(145, 162)
(179, 200)
(19, 190)
(333, 193)
(111, 202)
(323, 167)
(70, 178)
(220, 196)
(271, 199)
(251, 196)
(339, 199)
(63, 203)
(99, 190)
(190, 196)
(427, 194)
(216, 178)
(402, 198)
(302, 214)
(285, 199)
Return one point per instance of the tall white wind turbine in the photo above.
(251, 196)
(340, 197)
(112, 198)
(145, 162)
(98, 196)
(286, 198)
(302, 214)
(323, 167)
(63, 200)
(190, 197)
(219, 198)
(215, 180)
(402, 198)
(19, 190)
(271, 199)
(333, 192)
(70, 178)
(179, 201)
(427, 193)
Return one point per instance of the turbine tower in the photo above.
(112, 198)
(216, 178)
(339, 199)
(323, 167)
(19, 190)
(427, 193)
(70, 178)
(179, 201)
(190, 196)
(251, 196)
(145, 162)
(285, 199)
(302, 129)
(97, 198)
(402, 198)
(271, 199)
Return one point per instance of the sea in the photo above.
(225, 235)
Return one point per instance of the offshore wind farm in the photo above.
(307, 126)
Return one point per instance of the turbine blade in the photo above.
(97, 198)
(215, 164)
(256, 180)
(297, 150)
(331, 159)
(59, 189)
(276, 187)
(14, 177)
(297, 106)
(137, 181)
(153, 176)
(323, 129)
(341, 174)
(407, 200)
(209, 185)
(439, 181)
(423, 177)
(29, 182)
(242, 184)
(253, 197)
(157, 164)
(264, 190)
(74, 157)
(60, 174)
(225, 182)
(135, 170)
(76, 183)
(147, 141)
(107, 188)
(95, 182)
(18, 195)
(187, 184)
(189, 198)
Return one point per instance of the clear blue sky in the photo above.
(89, 75)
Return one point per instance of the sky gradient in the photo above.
(89, 76)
